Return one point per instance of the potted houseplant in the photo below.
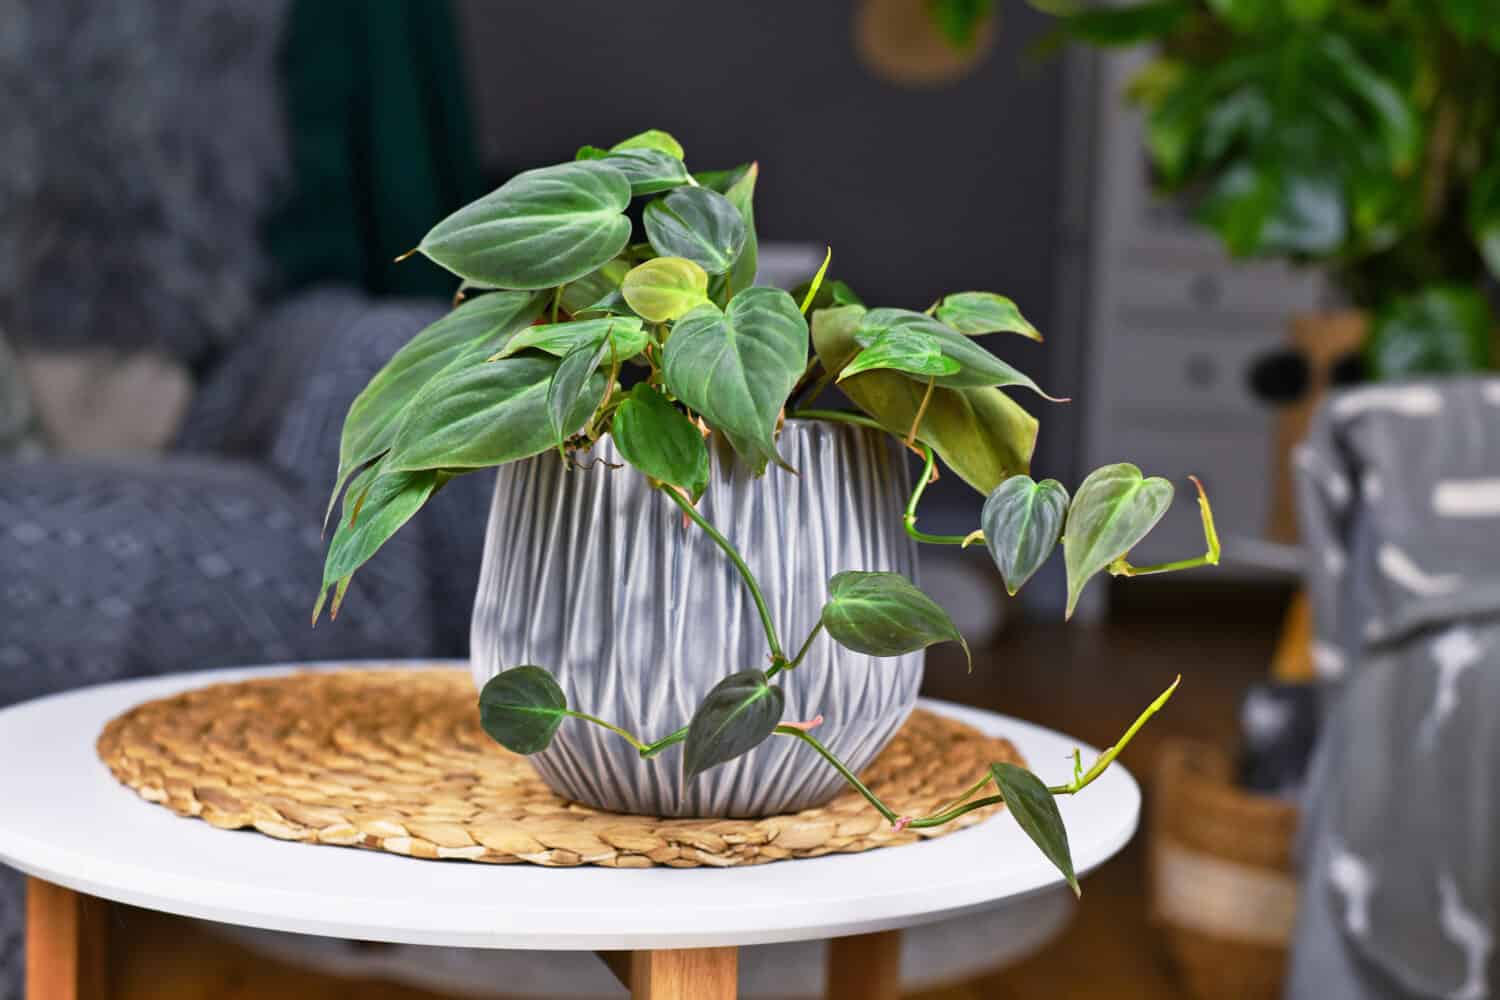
(667, 514)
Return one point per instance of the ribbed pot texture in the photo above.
(595, 576)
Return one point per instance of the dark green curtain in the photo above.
(381, 143)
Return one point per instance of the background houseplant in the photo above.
(576, 328)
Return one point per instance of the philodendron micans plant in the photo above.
(562, 294)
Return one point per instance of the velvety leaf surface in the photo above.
(981, 434)
(738, 714)
(377, 512)
(910, 351)
(665, 288)
(884, 614)
(1113, 510)
(561, 339)
(470, 331)
(573, 387)
(977, 313)
(659, 439)
(977, 367)
(738, 186)
(698, 224)
(580, 294)
(1036, 813)
(649, 170)
(485, 414)
(1022, 520)
(521, 708)
(541, 228)
(737, 367)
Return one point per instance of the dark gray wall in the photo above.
(919, 192)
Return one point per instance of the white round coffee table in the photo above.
(667, 932)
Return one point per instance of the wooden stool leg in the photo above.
(678, 974)
(65, 943)
(865, 967)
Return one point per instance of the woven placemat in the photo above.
(394, 760)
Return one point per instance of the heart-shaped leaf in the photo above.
(471, 331)
(981, 434)
(976, 313)
(658, 438)
(738, 185)
(521, 708)
(649, 170)
(665, 288)
(738, 714)
(573, 387)
(1022, 520)
(562, 339)
(1113, 510)
(384, 501)
(1036, 813)
(884, 614)
(653, 138)
(737, 367)
(977, 368)
(698, 224)
(485, 414)
(541, 228)
(909, 351)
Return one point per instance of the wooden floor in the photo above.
(1088, 682)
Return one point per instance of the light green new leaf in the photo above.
(1022, 520)
(659, 439)
(736, 717)
(737, 367)
(541, 228)
(909, 351)
(382, 507)
(573, 387)
(977, 368)
(665, 288)
(649, 170)
(884, 614)
(653, 138)
(562, 339)
(521, 708)
(977, 313)
(1036, 813)
(981, 434)
(590, 153)
(1113, 510)
(698, 224)
(470, 331)
(484, 415)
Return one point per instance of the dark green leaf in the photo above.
(959, 21)
(1129, 25)
(981, 434)
(649, 170)
(541, 228)
(698, 224)
(1444, 330)
(521, 708)
(1022, 520)
(385, 501)
(1036, 813)
(976, 313)
(579, 295)
(562, 339)
(470, 332)
(977, 367)
(738, 714)
(1113, 510)
(483, 415)
(884, 614)
(737, 367)
(909, 351)
(738, 185)
(658, 438)
(653, 138)
(611, 304)
(574, 387)
(665, 288)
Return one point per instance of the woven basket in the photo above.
(1223, 887)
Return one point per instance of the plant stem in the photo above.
(838, 765)
(1120, 567)
(1078, 784)
(777, 655)
(610, 726)
(916, 423)
(801, 653)
(839, 417)
(671, 740)
(910, 520)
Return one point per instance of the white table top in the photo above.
(65, 819)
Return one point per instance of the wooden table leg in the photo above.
(65, 943)
(865, 967)
(677, 974)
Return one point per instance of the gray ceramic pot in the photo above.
(593, 575)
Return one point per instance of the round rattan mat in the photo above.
(394, 760)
